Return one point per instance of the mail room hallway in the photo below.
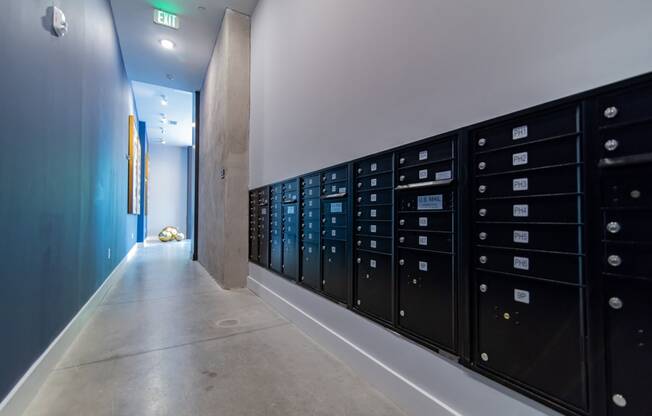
(167, 340)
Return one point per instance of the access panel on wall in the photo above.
(528, 255)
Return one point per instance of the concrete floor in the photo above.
(167, 340)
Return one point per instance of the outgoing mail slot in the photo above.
(333, 188)
(374, 165)
(374, 182)
(335, 279)
(441, 149)
(337, 233)
(562, 208)
(539, 182)
(381, 212)
(544, 265)
(438, 172)
(372, 229)
(556, 152)
(374, 197)
(630, 105)
(627, 187)
(432, 199)
(627, 226)
(311, 181)
(381, 244)
(311, 266)
(429, 221)
(374, 284)
(291, 257)
(335, 175)
(565, 238)
(426, 296)
(546, 125)
(628, 259)
(626, 141)
(424, 240)
(531, 331)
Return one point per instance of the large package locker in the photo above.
(311, 231)
(425, 248)
(336, 238)
(373, 242)
(624, 156)
(275, 228)
(263, 226)
(290, 229)
(528, 254)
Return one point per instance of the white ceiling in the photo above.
(145, 59)
(178, 109)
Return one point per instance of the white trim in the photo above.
(16, 402)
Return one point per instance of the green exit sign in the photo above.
(166, 19)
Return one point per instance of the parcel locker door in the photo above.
(291, 256)
(311, 266)
(426, 296)
(276, 254)
(334, 264)
(629, 343)
(374, 284)
(531, 331)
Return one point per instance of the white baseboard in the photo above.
(419, 381)
(16, 402)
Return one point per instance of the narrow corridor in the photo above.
(167, 340)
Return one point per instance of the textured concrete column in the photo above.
(224, 144)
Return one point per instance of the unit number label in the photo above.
(372, 263)
(521, 210)
(373, 197)
(372, 228)
(443, 175)
(520, 184)
(522, 237)
(336, 207)
(519, 159)
(522, 296)
(309, 249)
(309, 225)
(423, 221)
(374, 167)
(423, 240)
(333, 233)
(372, 243)
(263, 211)
(519, 132)
(423, 266)
(430, 202)
(290, 210)
(372, 213)
(333, 176)
(333, 220)
(334, 188)
(521, 263)
(374, 182)
(333, 250)
(309, 214)
(423, 174)
(423, 155)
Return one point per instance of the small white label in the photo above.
(342, 190)
(309, 203)
(443, 175)
(519, 159)
(374, 167)
(372, 263)
(423, 266)
(309, 214)
(423, 155)
(372, 228)
(333, 220)
(333, 176)
(309, 181)
(309, 225)
(373, 197)
(522, 296)
(521, 210)
(520, 184)
(333, 233)
(372, 243)
(521, 263)
(423, 240)
(522, 237)
(423, 174)
(372, 213)
(423, 221)
(333, 249)
(373, 182)
(334, 188)
(336, 207)
(309, 249)
(290, 210)
(263, 211)
(519, 132)
(430, 202)
(309, 236)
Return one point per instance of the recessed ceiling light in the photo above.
(167, 44)
(164, 101)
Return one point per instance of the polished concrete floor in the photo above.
(167, 340)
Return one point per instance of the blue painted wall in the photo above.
(142, 218)
(64, 104)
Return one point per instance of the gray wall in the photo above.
(336, 80)
(224, 144)
(64, 104)
(168, 188)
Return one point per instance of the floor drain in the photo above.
(228, 322)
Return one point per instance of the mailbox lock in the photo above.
(482, 142)
(401, 161)
(358, 302)
(614, 260)
(359, 199)
(359, 170)
(619, 400)
(483, 259)
(302, 278)
(610, 112)
(358, 260)
(401, 262)
(482, 212)
(401, 178)
(482, 165)
(359, 228)
(359, 213)
(636, 194)
(484, 356)
(613, 227)
(359, 242)
(359, 184)
(507, 316)
(615, 303)
(611, 145)
(401, 240)
(414, 281)
(483, 288)
(323, 247)
(402, 313)
(401, 222)
(483, 236)
(482, 189)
